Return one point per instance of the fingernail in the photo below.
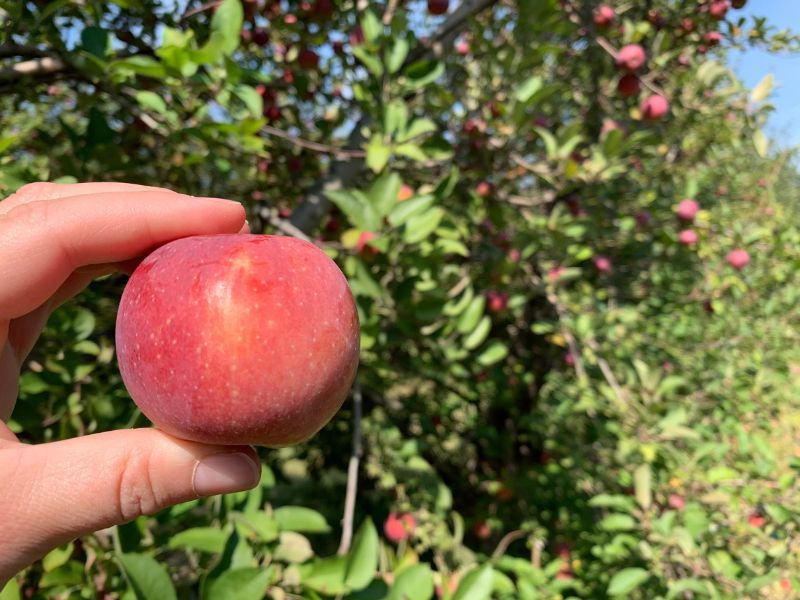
(217, 200)
(225, 473)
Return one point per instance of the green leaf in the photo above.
(69, 574)
(226, 25)
(761, 143)
(627, 580)
(262, 524)
(300, 518)
(372, 63)
(413, 583)
(470, 317)
(403, 211)
(643, 486)
(371, 26)
(140, 65)
(251, 98)
(478, 335)
(758, 583)
(84, 324)
(396, 55)
(417, 128)
(528, 88)
(325, 575)
(151, 101)
(356, 207)
(240, 584)
(618, 522)
(421, 73)
(202, 539)
(550, 142)
(477, 585)
(412, 151)
(96, 41)
(293, 547)
(763, 89)
(362, 560)
(148, 578)
(383, 193)
(10, 591)
(395, 117)
(378, 153)
(698, 586)
(422, 225)
(56, 558)
(496, 352)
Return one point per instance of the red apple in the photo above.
(687, 237)
(482, 530)
(654, 107)
(712, 38)
(738, 258)
(602, 263)
(628, 85)
(687, 209)
(405, 192)
(484, 189)
(260, 37)
(438, 7)
(399, 527)
(756, 520)
(643, 218)
(496, 301)
(462, 47)
(308, 59)
(603, 15)
(322, 9)
(631, 57)
(357, 36)
(238, 339)
(676, 501)
(718, 8)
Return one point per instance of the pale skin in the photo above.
(54, 239)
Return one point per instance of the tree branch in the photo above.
(339, 153)
(9, 50)
(352, 475)
(37, 67)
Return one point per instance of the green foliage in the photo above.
(554, 430)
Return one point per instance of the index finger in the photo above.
(43, 242)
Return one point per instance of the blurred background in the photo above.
(571, 229)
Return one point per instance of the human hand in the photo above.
(54, 239)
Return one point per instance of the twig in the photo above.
(352, 475)
(271, 216)
(574, 350)
(9, 50)
(546, 198)
(339, 153)
(536, 553)
(511, 536)
(388, 14)
(199, 9)
(36, 67)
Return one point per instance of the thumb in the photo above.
(55, 492)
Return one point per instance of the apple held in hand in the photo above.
(238, 339)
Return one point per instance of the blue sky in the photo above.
(751, 65)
